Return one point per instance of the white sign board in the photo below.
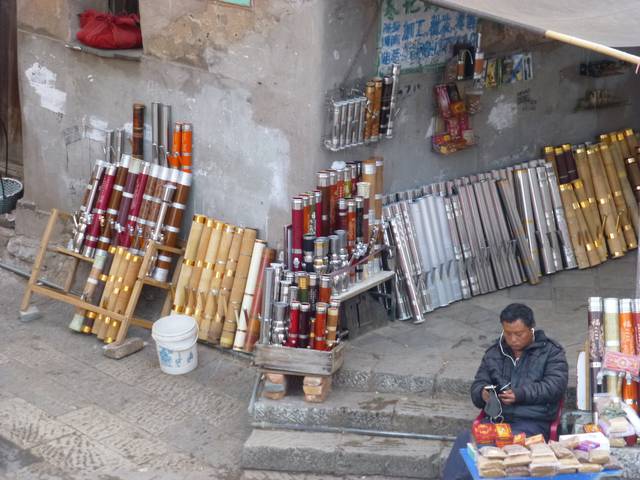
(420, 36)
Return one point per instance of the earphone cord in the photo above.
(498, 418)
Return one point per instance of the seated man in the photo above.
(530, 373)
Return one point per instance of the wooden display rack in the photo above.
(317, 367)
(63, 295)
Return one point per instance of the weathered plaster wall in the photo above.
(247, 89)
(509, 130)
(253, 82)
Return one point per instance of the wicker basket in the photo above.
(11, 191)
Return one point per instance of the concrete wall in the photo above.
(254, 84)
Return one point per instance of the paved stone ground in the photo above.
(67, 412)
(451, 342)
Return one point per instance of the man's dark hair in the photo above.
(518, 311)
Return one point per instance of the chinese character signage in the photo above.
(418, 35)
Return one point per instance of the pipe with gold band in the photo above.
(633, 171)
(585, 193)
(122, 299)
(233, 312)
(110, 296)
(208, 265)
(619, 160)
(618, 198)
(215, 331)
(188, 262)
(608, 214)
(198, 268)
(211, 301)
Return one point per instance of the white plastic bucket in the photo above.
(176, 337)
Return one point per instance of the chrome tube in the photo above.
(542, 232)
(465, 245)
(565, 239)
(526, 213)
(509, 202)
(547, 206)
(465, 288)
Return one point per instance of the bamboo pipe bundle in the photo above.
(249, 293)
(215, 331)
(631, 162)
(110, 301)
(189, 261)
(253, 329)
(211, 302)
(618, 198)
(632, 141)
(237, 290)
(196, 270)
(633, 171)
(130, 277)
(590, 205)
(615, 151)
(621, 139)
(207, 271)
(109, 280)
(628, 346)
(579, 240)
(612, 338)
(606, 207)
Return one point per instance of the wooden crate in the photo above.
(298, 361)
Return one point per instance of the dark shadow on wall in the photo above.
(9, 95)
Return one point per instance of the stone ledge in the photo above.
(343, 454)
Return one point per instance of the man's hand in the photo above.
(508, 397)
(485, 395)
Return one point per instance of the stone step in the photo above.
(433, 385)
(343, 454)
(367, 411)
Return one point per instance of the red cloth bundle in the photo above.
(107, 31)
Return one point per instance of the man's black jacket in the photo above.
(538, 379)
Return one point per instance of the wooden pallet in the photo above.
(63, 295)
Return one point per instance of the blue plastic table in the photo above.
(471, 465)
